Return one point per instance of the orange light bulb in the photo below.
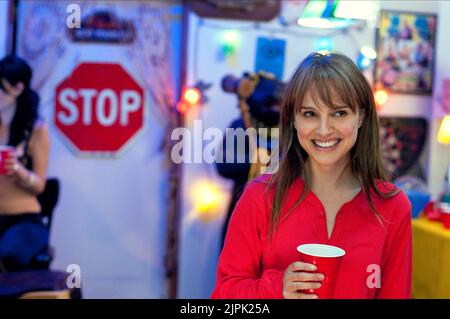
(192, 96)
(381, 97)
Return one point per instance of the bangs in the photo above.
(328, 87)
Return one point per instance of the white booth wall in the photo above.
(199, 239)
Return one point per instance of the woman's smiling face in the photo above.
(327, 134)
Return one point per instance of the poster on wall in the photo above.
(403, 142)
(406, 49)
(270, 55)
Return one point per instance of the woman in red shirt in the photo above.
(329, 188)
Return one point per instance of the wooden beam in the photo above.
(175, 172)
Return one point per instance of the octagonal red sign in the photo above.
(99, 108)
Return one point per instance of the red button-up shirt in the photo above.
(250, 266)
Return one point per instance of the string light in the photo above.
(192, 96)
(182, 107)
(381, 97)
(365, 57)
(444, 131)
(324, 44)
(369, 53)
(207, 198)
(362, 62)
(230, 42)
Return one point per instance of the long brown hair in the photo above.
(325, 75)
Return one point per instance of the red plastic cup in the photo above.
(445, 215)
(5, 152)
(328, 260)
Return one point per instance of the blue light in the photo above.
(363, 62)
(324, 44)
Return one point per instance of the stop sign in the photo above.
(99, 108)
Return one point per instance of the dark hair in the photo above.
(325, 75)
(14, 70)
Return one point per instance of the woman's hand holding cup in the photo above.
(298, 277)
(11, 165)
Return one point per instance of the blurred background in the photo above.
(130, 221)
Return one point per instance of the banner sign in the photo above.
(104, 26)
